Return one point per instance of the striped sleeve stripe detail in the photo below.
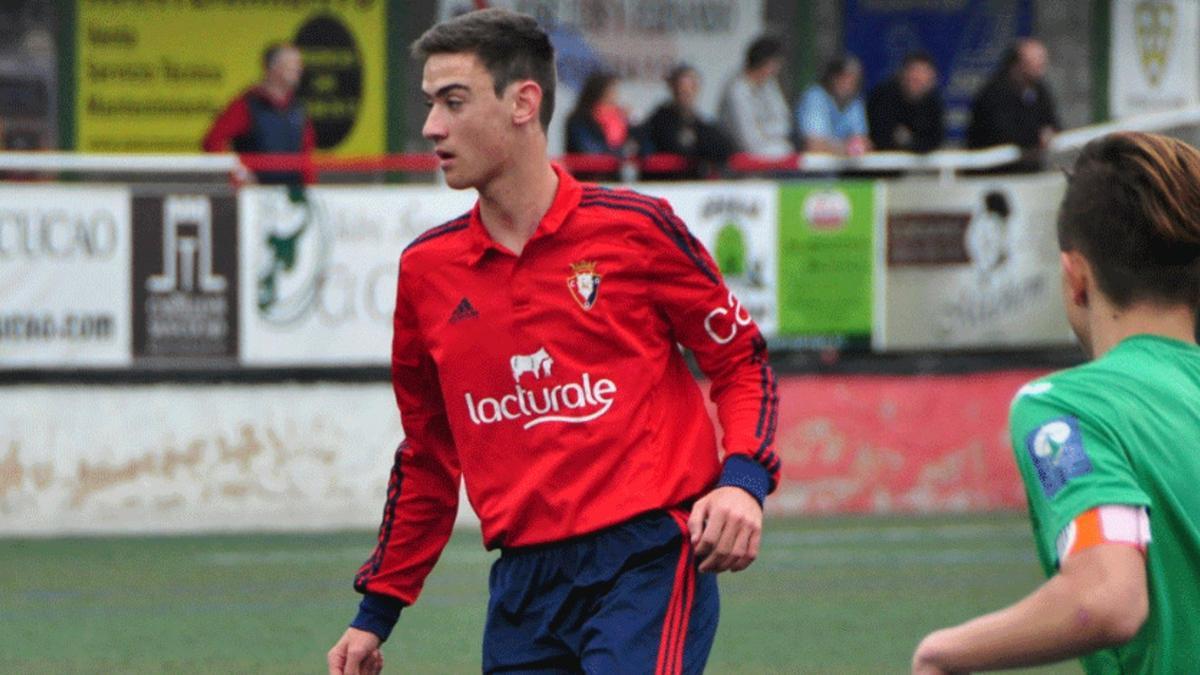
(769, 413)
(682, 235)
(459, 223)
(371, 567)
(668, 226)
(679, 607)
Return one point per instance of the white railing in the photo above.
(943, 162)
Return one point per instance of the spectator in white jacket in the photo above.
(752, 110)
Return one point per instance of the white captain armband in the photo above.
(1108, 524)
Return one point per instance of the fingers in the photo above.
(731, 531)
(718, 558)
(708, 535)
(373, 665)
(357, 653)
(336, 658)
(696, 521)
(359, 661)
(739, 557)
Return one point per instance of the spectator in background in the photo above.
(906, 112)
(598, 125)
(268, 117)
(1016, 105)
(752, 110)
(676, 127)
(830, 114)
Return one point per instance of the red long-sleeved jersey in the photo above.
(552, 381)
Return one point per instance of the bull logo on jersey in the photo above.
(584, 283)
(1155, 21)
(538, 363)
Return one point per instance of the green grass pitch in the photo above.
(828, 595)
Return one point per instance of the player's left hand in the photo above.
(726, 525)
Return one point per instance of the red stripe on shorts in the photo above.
(670, 648)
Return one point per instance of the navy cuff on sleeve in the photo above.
(377, 614)
(743, 472)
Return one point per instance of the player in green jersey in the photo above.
(1110, 451)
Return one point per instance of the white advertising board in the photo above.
(318, 279)
(64, 276)
(1154, 58)
(199, 458)
(972, 264)
(739, 225)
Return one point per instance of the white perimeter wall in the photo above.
(173, 458)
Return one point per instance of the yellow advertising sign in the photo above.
(153, 74)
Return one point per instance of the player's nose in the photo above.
(435, 127)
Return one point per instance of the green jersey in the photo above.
(1124, 429)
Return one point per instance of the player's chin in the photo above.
(458, 179)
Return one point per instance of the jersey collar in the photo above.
(566, 198)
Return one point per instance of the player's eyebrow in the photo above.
(443, 91)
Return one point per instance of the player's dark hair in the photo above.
(763, 49)
(510, 45)
(1132, 208)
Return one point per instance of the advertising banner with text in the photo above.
(185, 279)
(64, 277)
(1154, 57)
(319, 276)
(151, 76)
(973, 264)
(826, 254)
(737, 223)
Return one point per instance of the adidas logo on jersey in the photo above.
(464, 311)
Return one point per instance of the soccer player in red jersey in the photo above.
(536, 359)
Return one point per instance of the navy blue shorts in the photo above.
(627, 599)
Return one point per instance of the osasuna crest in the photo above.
(584, 283)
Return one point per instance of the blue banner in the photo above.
(966, 39)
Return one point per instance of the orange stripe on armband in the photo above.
(1109, 524)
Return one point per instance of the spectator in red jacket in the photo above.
(268, 117)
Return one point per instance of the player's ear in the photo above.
(527, 101)
(1077, 273)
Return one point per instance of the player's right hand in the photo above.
(357, 653)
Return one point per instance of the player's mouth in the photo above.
(445, 157)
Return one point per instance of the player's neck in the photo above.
(512, 204)
(1110, 325)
